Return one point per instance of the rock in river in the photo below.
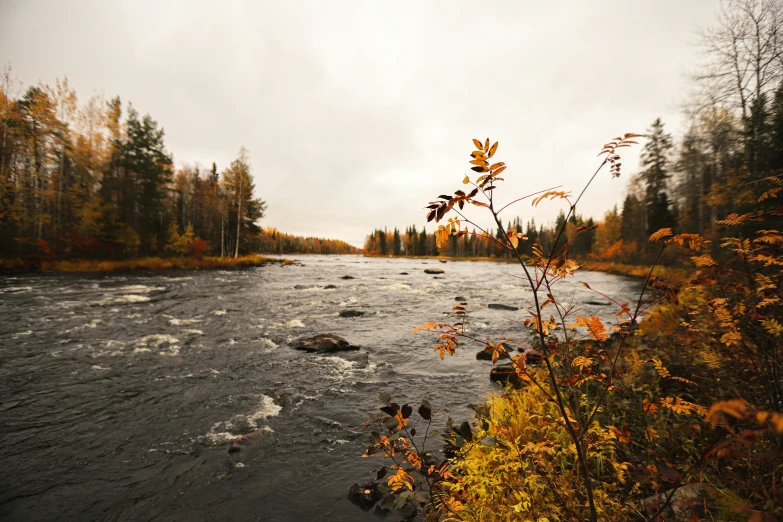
(433, 270)
(498, 306)
(504, 373)
(365, 495)
(323, 343)
(351, 313)
(346, 277)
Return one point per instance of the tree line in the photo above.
(477, 244)
(96, 181)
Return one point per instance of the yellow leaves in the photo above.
(661, 234)
(466, 180)
(514, 237)
(703, 261)
(594, 326)
(731, 338)
(772, 327)
(660, 368)
(540, 325)
(477, 143)
(400, 480)
(480, 162)
(582, 362)
(551, 194)
(682, 407)
(563, 267)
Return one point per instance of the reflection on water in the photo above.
(120, 395)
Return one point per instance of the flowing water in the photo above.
(119, 393)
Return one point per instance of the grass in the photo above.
(674, 274)
(147, 263)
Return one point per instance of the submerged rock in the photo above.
(330, 287)
(433, 270)
(351, 313)
(460, 298)
(598, 303)
(323, 343)
(347, 277)
(365, 495)
(498, 306)
(243, 441)
(403, 273)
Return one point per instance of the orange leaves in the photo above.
(661, 234)
(623, 435)
(582, 362)
(541, 325)
(477, 143)
(493, 149)
(594, 326)
(400, 480)
(773, 418)
(703, 261)
(722, 410)
(610, 149)
(551, 194)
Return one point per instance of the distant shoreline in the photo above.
(147, 263)
(677, 274)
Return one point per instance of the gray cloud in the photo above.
(357, 113)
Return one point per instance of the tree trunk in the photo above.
(239, 216)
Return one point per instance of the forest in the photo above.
(96, 181)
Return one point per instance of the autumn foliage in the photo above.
(606, 421)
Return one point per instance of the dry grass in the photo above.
(148, 263)
(674, 274)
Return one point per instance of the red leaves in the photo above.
(670, 290)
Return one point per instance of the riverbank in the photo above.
(675, 274)
(147, 263)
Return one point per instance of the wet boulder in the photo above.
(347, 277)
(504, 373)
(403, 273)
(323, 343)
(365, 495)
(330, 287)
(498, 306)
(461, 299)
(433, 270)
(351, 313)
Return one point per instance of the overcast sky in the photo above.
(356, 114)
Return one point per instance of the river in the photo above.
(120, 392)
